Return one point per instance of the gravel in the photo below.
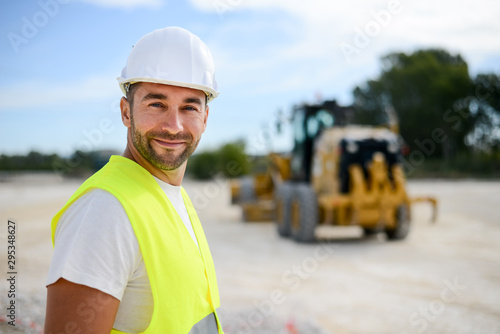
(444, 278)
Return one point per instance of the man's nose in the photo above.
(172, 122)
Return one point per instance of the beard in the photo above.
(166, 159)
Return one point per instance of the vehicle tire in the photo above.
(283, 200)
(247, 191)
(402, 224)
(304, 213)
(247, 195)
(371, 231)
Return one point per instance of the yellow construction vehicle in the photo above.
(337, 174)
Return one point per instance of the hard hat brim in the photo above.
(211, 93)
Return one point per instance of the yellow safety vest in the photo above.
(182, 277)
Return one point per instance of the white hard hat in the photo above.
(171, 56)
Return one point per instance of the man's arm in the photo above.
(75, 308)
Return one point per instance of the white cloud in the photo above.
(312, 60)
(38, 94)
(464, 26)
(126, 3)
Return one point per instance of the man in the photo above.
(130, 254)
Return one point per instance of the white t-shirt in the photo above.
(96, 246)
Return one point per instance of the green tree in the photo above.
(484, 107)
(423, 88)
(233, 159)
(33, 161)
(203, 165)
(229, 159)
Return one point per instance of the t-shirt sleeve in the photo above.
(95, 245)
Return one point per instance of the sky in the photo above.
(59, 60)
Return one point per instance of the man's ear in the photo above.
(125, 111)
(205, 120)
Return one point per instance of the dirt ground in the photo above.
(444, 278)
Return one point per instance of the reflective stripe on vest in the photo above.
(182, 277)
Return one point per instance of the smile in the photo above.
(171, 144)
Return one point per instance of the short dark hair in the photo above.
(130, 93)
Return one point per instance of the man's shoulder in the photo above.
(96, 207)
(97, 198)
(121, 177)
(96, 215)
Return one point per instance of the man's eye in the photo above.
(156, 105)
(190, 108)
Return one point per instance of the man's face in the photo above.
(166, 123)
